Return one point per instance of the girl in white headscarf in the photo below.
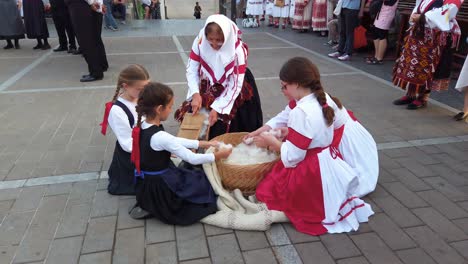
(219, 80)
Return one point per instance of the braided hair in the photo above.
(302, 71)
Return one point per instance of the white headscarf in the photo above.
(219, 61)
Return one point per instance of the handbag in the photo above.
(337, 10)
(360, 39)
(279, 3)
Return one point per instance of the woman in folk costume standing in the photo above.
(462, 86)
(11, 27)
(219, 80)
(35, 22)
(311, 184)
(302, 15)
(269, 4)
(320, 16)
(255, 9)
(424, 63)
(281, 10)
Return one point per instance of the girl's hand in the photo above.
(213, 117)
(222, 153)
(208, 144)
(196, 103)
(284, 131)
(260, 142)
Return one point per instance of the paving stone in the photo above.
(398, 152)
(363, 228)
(287, 254)
(277, 236)
(214, 230)
(9, 194)
(13, 228)
(224, 249)
(390, 233)
(385, 176)
(97, 258)
(124, 220)
(400, 214)
(100, 234)
(461, 247)
(162, 253)
(82, 192)
(7, 253)
(422, 157)
(197, 261)
(74, 221)
(386, 162)
(102, 184)
(462, 224)
(441, 225)
(451, 162)
(29, 199)
(264, 256)
(191, 242)
(379, 192)
(442, 204)
(374, 249)
(410, 180)
(355, 260)
(432, 244)
(464, 205)
(5, 205)
(450, 175)
(56, 189)
(36, 241)
(296, 236)
(313, 252)
(447, 189)
(157, 231)
(65, 250)
(414, 255)
(430, 149)
(374, 206)
(249, 240)
(130, 246)
(452, 150)
(415, 167)
(340, 246)
(404, 195)
(104, 204)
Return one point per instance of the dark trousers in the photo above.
(63, 25)
(348, 20)
(121, 9)
(88, 26)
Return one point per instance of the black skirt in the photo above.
(249, 116)
(121, 173)
(34, 19)
(154, 195)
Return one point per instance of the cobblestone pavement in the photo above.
(54, 207)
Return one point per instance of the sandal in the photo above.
(374, 61)
(461, 116)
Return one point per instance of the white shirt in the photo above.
(100, 2)
(178, 146)
(120, 125)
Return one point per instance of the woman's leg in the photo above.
(465, 105)
(380, 54)
(9, 44)
(17, 45)
(39, 44)
(46, 44)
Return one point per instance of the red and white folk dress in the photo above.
(311, 184)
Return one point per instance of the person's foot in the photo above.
(459, 116)
(416, 104)
(303, 31)
(137, 212)
(271, 25)
(91, 78)
(284, 26)
(344, 57)
(71, 50)
(403, 100)
(77, 52)
(59, 49)
(45, 46)
(113, 28)
(335, 54)
(123, 22)
(9, 46)
(38, 46)
(17, 46)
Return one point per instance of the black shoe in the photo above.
(403, 100)
(38, 46)
(59, 49)
(416, 104)
(77, 52)
(17, 46)
(9, 46)
(45, 46)
(91, 78)
(71, 50)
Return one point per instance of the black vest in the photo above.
(151, 160)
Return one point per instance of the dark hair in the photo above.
(130, 74)
(153, 95)
(212, 27)
(302, 71)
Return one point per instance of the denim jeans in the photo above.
(349, 20)
(108, 18)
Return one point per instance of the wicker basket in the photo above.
(242, 177)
